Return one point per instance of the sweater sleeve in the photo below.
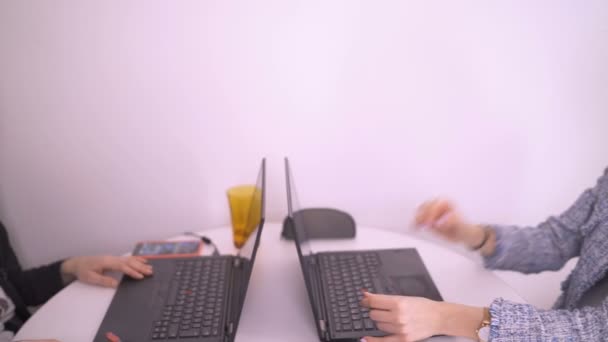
(523, 322)
(551, 244)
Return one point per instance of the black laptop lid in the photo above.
(249, 250)
(299, 233)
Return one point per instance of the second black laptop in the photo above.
(334, 279)
(189, 299)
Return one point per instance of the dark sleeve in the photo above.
(34, 286)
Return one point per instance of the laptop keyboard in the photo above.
(195, 302)
(345, 275)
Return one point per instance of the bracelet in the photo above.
(486, 236)
(483, 332)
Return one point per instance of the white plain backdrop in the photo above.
(127, 120)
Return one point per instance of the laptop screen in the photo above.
(293, 208)
(255, 218)
(298, 224)
(256, 214)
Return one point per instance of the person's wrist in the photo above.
(473, 236)
(460, 320)
(446, 312)
(68, 270)
(489, 246)
(68, 266)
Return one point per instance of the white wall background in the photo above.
(127, 120)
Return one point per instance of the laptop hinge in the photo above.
(322, 325)
(318, 298)
(231, 312)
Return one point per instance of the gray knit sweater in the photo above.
(580, 231)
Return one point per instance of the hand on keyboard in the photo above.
(407, 318)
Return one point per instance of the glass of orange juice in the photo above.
(245, 211)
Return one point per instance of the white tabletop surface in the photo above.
(277, 307)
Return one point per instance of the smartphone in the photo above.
(168, 249)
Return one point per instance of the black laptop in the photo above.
(187, 299)
(334, 279)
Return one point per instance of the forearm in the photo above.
(460, 320)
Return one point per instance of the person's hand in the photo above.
(441, 217)
(90, 269)
(414, 318)
(405, 318)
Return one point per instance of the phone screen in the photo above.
(167, 248)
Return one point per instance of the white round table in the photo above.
(277, 306)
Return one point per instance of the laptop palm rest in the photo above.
(403, 273)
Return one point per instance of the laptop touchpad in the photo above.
(410, 285)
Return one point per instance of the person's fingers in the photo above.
(448, 221)
(427, 212)
(95, 278)
(382, 316)
(376, 301)
(140, 259)
(421, 213)
(119, 264)
(139, 266)
(437, 211)
(130, 271)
